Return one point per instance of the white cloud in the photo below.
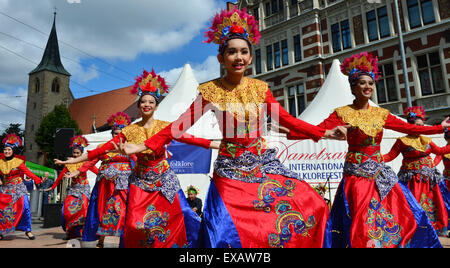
(108, 29)
(204, 71)
(13, 108)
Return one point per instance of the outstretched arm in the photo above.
(58, 180)
(399, 125)
(439, 150)
(394, 152)
(23, 168)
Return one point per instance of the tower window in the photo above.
(55, 86)
(37, 85)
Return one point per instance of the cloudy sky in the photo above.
(104, 44)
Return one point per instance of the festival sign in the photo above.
(188, 159)
(316, 163)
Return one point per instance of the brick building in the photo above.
(300, 39)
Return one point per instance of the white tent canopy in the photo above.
(180, 97)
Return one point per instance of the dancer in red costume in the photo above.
(15, 212)
(158, 214)
(107, 204)
(418, 171)
(371, 209)
(76, 202)
(253, 200)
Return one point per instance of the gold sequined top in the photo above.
(7, 166)
(137, 134)
(420, 143)
(370, 121)
(244, 101)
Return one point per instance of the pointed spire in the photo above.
(51, 60)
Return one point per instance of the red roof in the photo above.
(102, 106)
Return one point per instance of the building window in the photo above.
(34, 105)
(285, 52)
(340, 34)
(269, 56)
(296, 99)
(276, 50)
(297, 48)
(37, 85)
(378, 22)
(420, 12)
(55, 86)
(256, 14)
(258, 61)
(386, 87)
(430, 74)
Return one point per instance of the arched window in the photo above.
(37, 85)
(55, 86)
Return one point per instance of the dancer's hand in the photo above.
(337, 133)
(69, 175)
(215, 145)
(277, 128)
(129, 148)
(446, 123)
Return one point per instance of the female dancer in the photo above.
(106, 210)
(445, 184)
(418, 171)
(158, 214)
(371, 209)
(253, 200)
(15, 212)
(76, 203)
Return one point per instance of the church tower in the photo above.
(48, 86)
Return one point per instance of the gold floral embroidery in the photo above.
(370, 121)
(108, 154)
(7, 166)
(74, 167)
(420, 143)
(137, 134)
(243, 101)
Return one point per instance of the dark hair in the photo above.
(233, 36)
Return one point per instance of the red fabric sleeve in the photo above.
(399, 125)
(87, 165)
(437, 160)
(23, 168)
(394, 152)
(94, 170)
(439, 150)
(300, 127)
(190, 139)
(109, 146)
(58, 180)
(331, 122)
(175, 129)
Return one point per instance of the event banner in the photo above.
(319, 162)
(188, 159)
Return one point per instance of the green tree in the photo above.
(45, 135)
(13, 129)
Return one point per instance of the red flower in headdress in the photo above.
(119, 119)
(79, 141)
(150, 82)
(415, 112)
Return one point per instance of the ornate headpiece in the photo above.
(152, 83)
(357, 65)
(414, 112)
(12, 140)
(119, 120)
(79, 142)
(235, 23)
(192, 188)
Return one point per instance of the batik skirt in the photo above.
(15, 212)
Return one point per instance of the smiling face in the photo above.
(418, 121)
(147, 105)
(364, 88)
(76, 152)
(236, 57)
(8, 151)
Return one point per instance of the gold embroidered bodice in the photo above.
(137, 134)
(244, 101)
(7, 166)
(370, 121)
(74, 167)
(420, 143)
